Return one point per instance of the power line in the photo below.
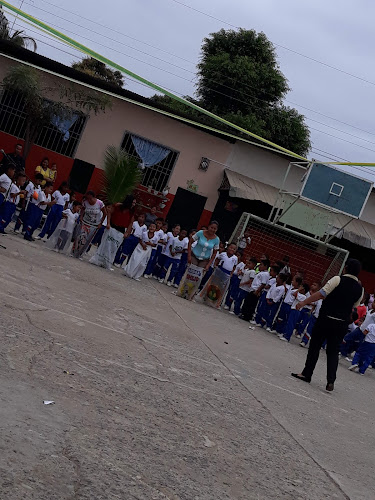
(186, 60)
(277, 44)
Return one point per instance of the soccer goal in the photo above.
(318, 261)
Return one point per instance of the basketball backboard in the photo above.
(335, 189)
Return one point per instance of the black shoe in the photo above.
(300, 377)
(28, 238)
(330, 387)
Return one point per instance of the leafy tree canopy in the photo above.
(18, 37)
(239, 79)
(96, 68)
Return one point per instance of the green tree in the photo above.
(18, 37)
(96, 68)
(239, 79)
(41, 103)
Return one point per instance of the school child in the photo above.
(138, 261)
(260, 310)
(5, 183)
(235, 282)
(61, 197)
(257, 286)
(228, 260)
(166, 257)
(366, 351)
(244, 242)
(178, 249)
(362, 308)
(264, 256)
(353, 339)
(36, 210)
(313, 317)
(161, 245)
(130, 242)
(159, 232)
(32, 191)
(286, 306)
(294, 315)
(306, 311)
(61, 238)
(183, 262)
(8, 208)
(274, 296)
(247, 277)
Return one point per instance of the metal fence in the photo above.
(317, 260)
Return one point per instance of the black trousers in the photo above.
(249, 306)
(333, 331)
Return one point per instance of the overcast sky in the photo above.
(338, 33)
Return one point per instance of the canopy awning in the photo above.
(241, 186)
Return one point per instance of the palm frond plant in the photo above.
(121, 175)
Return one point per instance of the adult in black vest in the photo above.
(340, 295)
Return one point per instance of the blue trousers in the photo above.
(153, 262)
(241, 296)
(7, 210)
(22, 219)
(169, 261)
(364, 356)
(53, 218)
(293, 319)
(233, 290)
(34, 217)
(310, 326)
(98, 236)
(126, 249)
(270, 313)
(282, 318)
(261, 309)
(351, 341)
(181, 269)
(304, 319)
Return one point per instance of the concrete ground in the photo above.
(159, 398)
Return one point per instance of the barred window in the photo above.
(156, 176)
(13, 122)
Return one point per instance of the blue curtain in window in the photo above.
(63, 125)
(149, 152)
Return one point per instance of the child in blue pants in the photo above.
(299, 295)
(286, 306)
(36, 210)
(313, 317)
(234, 284)
(31, 190)
(262, 303)
(160, 233)
(274, 295)
(129, 244)
(306, 312)
(61, 198)
(8, 208)
(366, 351)
(248, 274)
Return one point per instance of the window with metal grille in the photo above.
(158, 175)
(13, 122)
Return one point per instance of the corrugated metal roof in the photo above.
(241, 186)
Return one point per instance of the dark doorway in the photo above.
(80, 176)
(186, 209)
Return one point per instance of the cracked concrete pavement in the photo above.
(159, 398)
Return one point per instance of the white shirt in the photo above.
(243, 242)
(247, 275)
(34, 201)
(5, 182)
(289, 297)
(370, 337)
(226, 262)
(42, 198)
(138, 230)
(275, 293)
(369, 319)
(30, 188)
(160, 234)
(93, 213)
(270, 282)
(179, 245)
(240, 267)
(260, 279)
(309, 306)
(169, 239)
(144, 237)
(14, 190)
(70, 220)
(318, 305)
(61, 199)
(299, 298)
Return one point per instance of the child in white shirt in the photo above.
(155, 252)
(259, 283)
(235, 282)
(5, 183)
(274, 296)
(167, 257)
(32, 191)
(179, 246)
(61, 238)
(286, 306)
(299, 295)
(365, 354)
(9, 205)
(130, 242)
(247, 277)
(36, 209)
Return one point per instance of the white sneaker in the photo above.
(252, 322)
(349, 359)
(16, 231)
(146, 276)
(298, 336)
(175, 285)
(283, 339)
(268, 329)
(160, 280)
(169, 283)
(137, 279)
(226, 308)
(155, 277)
(38, 238)
(352, 368)
(117, 265)
(258, 324)
(231, 312)
(302, 344)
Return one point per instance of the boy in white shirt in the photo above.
(261, 307)
(159, 233)
(183, 261)
(234, 282)
(37, 208)
(259, 283)
(306, 312)
(365, 352)
(5, 183)
(313, 317)
(294, 315)
(353, 339)
(32, 191)
(130, 242)
(286, 306)
(275, 294)
(9, 205)
(178, 248)
(247, 277)
(167, 257)
(244, 242)
(227, 261)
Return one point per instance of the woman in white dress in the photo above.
(140, 257)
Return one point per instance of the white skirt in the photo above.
(138, 262)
